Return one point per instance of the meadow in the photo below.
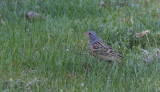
(50, 54)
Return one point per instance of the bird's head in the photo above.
(91, 35)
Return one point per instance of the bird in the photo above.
(101, 50)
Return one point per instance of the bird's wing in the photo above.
(102, 49)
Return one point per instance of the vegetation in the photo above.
(51, 53)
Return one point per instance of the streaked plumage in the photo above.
(101, 50)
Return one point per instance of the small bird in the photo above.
(101, 50)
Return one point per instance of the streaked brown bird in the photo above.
(101, 50)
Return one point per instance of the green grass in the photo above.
(52, 56)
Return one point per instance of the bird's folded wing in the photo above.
(103, 49)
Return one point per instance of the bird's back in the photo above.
(105, 52)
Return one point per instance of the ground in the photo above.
(50, 53)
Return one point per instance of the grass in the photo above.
(51, 54)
